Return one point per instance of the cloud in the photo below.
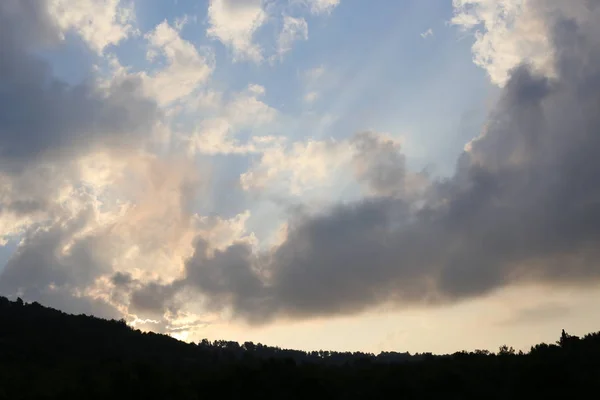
(150, 299)
(99, 22)
(45, 118)
(311, 97)
(313, 83)
(372, 159)
(314, 74)
(155, 298)
(379, 164)
(522, 207)
(80, 186)
(186, 68)
(234, 23)
(87, 232)
(62, 118)
(318, 7)
(182, 71)
(511, 32)
(244, 110)
(293, 29)
(427, 33)
(297, 167)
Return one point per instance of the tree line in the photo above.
(48, 354)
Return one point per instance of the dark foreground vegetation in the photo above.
(47, 354)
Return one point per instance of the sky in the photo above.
(414, 175)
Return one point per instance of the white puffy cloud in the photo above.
(246, 109)
(234, 23)
(221, 233)
(372, 159)
(243, 111)
(186, 68)
(297, 167)
(507, 33)
(511, 32)
(182, 74)
(99, 22)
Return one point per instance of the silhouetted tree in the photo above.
(504, 350)
(47, 354)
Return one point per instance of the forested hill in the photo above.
(47, 354)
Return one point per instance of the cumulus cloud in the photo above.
(244, 110)
(234, 23)
(182, 70)
(186, 68)
(158, 296)
(296, 167)
(86, 233)
(48, 126)
(522, 207)
(79, 185)
(99, 22)
(512, 32)
(46, 118)
(379, 163)
(372, 159)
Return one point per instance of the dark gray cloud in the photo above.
(230, 276)
(52, 267)
(26, 24)
(523, 206)
(45, 124)
(122, 279)
(379, 163)
(149, 300)
(43, 117)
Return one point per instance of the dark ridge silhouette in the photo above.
(48, 354)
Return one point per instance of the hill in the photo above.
(47, 354)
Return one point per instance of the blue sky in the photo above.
(377, 73)
(287, 171)
(381, 74)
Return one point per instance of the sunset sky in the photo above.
(409, 175)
